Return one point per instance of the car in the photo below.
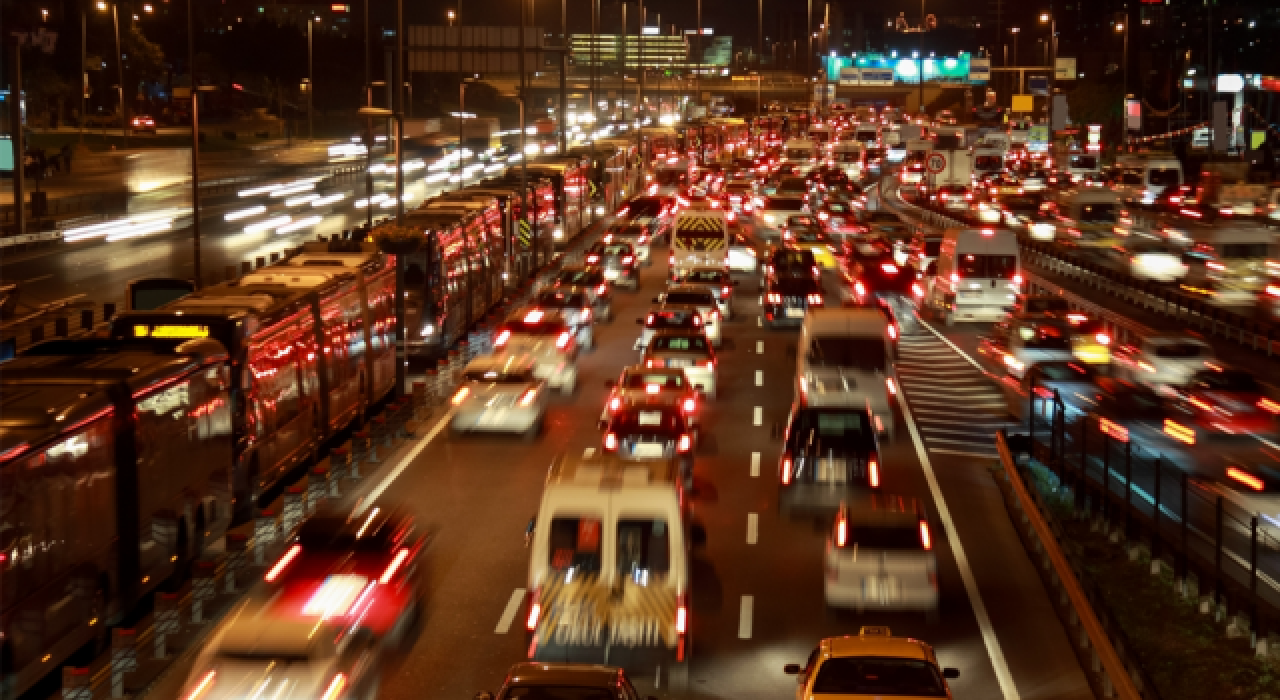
(544, 335)
(498, 393)
(1075, 383)
(744, 252)
(785, 262)
(840, 219)
(638, 236)
(575, 307)
(142, 124)
(880, 556)
(786, 300)
(1039, 305)
(886, 225)
(1148, 258)
(595, 286)
(885, 281)
(312, 656)
(804, 233)
(533, 680)
(642, 432)
(360, 570)
(739, 196)
(667, 316)
(792, 186)
(772, 212)
(618, 261)
(1163, 360)
(652, 386)
(1158, 425)
(687, 350)
(701, 298)
(829, 452)
(872, 664)
(1017, 344)
(1226, 401)
(716, 280)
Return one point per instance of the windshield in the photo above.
(644, 548)
(1088, 162)
(641, 380)
(574, 544)
(1164, 177)
(1184, 350)
(691, 298)
(793, 184)
(679, 343)
(1097, 212)
(847, 157)
(876, 676)
(783, 204)
(1131, 177)
(866, 353)
(987, 266)
(558, 299)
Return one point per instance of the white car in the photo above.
(544, 335)
(258, 654)
(499, 393)
(700, 297)
(1157, 261)
(1164, 361)
(880, 556)
(575, 306)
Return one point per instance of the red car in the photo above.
(363, 568)
(1230, 401)
(143, 123)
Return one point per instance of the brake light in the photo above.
(602, 289)
(284, 562)
(592, 259)
(715, 314)
(642, 240)
(1244, 477)
(724, 291)
(842, 532)
(461, 396)
(785, 470)
(648, 320)
(988, 232)
(1268, 405)
(710, 364)
(394, 566)
(682, 616)
(889, 268)
(671, 259)
(814, 299)
(774, 298)
(926, 539)
(1017, 280)
(955, 277)
(614, 404)
(685, 443)
(893, 332)
(1213, 265)
(893, 388)
(1118, 432)
(502, 339)
(528, 397)
(697, 320)
(563, 341)
(873, 471)
(859, 289)
(203, 686)
(610, 441)
(1179, 432)
(623, 211)
(586, 314)
(917, 290)
(817, 272)
(690, 405)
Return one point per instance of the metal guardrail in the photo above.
(1108, 672)
(1261, 337)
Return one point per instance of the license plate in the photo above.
(647, 449)
(491, 417)
(970, 293)
(678, 362)
(883, 589)
(795, 313)
(611, 274)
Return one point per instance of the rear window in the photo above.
(612, 249)
(574, 544)
(692, 298)
(585, 277)
(640, 380)
(705, 276)
(560, 299)
(669, 318)
(876, 676)
(682, 343)
(783, 204)
(792, 259)
(987, 266)
(522, 327)
(808, 235)
(1180, 350)
(886, 536)
(833, 424)
(866, 353)
(1164, 177)
(644, 548)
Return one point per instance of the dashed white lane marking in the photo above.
(404, 463)
(989, 639)
(759, 322)
(757, 417)
(589, 453)
(759, 347)
(744, 616)
(509, 612)
(759, 377)
(755, 465)
(753, 528)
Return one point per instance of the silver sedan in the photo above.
(500, 394)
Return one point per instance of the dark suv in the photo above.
(829, 452)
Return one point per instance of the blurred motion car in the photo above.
(786, 300)
(618, 261)
(873, 664)
(704, 300)
(1229, 401)
(1163, 360)
(640, 385)
(638, 236)
(499, 393)
(828, 453)
(574, 305)
(716, 280)
(687, 350)
(142, 124)
(879, 556)
(591, 278)
(643, 432)
(543, 335)
(667, 316)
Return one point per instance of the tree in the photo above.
(144, 61)
(1096, 102)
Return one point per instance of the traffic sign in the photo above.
(936, 163)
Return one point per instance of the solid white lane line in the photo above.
(757, 417)
(755, 465)
(962, 453)
(404, 463)
(509, 613)
(759, 377)
(759, 347)
(744, 617)
(753, 527)
(989, 639)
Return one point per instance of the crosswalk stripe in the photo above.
(962, 453)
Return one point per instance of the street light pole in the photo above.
(920, 76)
(1053, 59)
(124, 116)
(84, 58)
(760, 34)
(697, 71)
(311, 86)
(195, 143)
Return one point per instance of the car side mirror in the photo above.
(789, 669)
(484, 695)
(951, 673)
(528, 530)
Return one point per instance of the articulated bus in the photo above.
(114, 476)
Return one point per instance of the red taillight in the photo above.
(535, 612)
(648, 320)
(690, 405)
(682, 616)
(926, 539)
(394, 566)
(774, 298)
(724, 291)
(1268, 405)
(604, 287)
(652, 389)
(1273, 290)
(1017, 280)
(697, 320)
(859, 289)
(889, 268)
(873, 471)
(586, 314)
(1179, 432)
(891, 386)
(284, 562)
(685, 444)
(563, 341)
(502, 339)
(528, 396)
(461, 396)
(1119, 432)
(628, 259)
(710, 364)
(534, 316)
(1241, 476)
(615, 403)
(785, 470)
(1102, 338)
(610, 441)
(817, 272)
(206, 682)
(671, 259)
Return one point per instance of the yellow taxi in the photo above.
(872, 664)
(1090, 339)
(803, 233)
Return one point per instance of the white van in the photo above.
(1230, 263)
(800, 151)
(1144, 177)
(845, 357)
(609, 578)
(977, 274)
(849, 156)
(1078, 165)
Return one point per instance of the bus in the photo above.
(114, 461)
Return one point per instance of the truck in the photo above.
(958, 171)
